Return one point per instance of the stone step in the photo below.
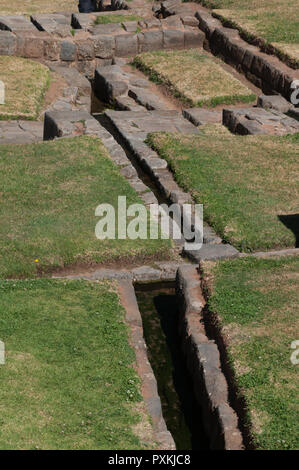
(58, 24)
(16, 24)
(252, 121)
(20, 132)
(200, 116)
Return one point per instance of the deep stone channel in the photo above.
(159, 310)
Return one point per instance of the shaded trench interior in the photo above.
(158, 306)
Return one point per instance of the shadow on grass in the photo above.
(291, 221)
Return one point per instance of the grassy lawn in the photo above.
(105, 19)
(30, 7)
(275, 21)
(204, 81)
(49, 193)
(68, 380)
(248, 185)
(255, 304)
(25, 83)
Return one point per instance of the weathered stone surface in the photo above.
(229, 438)
(52, 48)
(146, 274)
(149, 198)
(153, 163)
(210, 236)
(129, 171)
(20, 132)
(73, 78)
(110, 82)
(87, 67)
(66, 123)
(207, 23)
(172, 22)
(58, 24)
(259, 121)
(81, 20)
(213, 252)
(152, 23)
(85, 49)
(8, 43)
(146, 98)
(189, 21)
(151, 41)
(139, 186)
(125, 103)
(193, 38)
(130, 26)
(138, 82)
(16, 23)
(31, 45)
(110, 28)
(274, 102)
(126, 45)
(132, 124)
(68, 51)
(200, 116)
(173, 39)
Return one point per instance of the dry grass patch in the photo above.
(25, 85)
(204, 81)
(30, 7)
(255, 303)
(247, 184)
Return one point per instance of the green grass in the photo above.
(106, 19)
(49, 193)
(255, 304)
(26, 83)
(204, 81)
(68, 380)
(245, 183)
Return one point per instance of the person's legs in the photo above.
(86, 6)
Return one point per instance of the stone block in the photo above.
(52, 48)
(152, 41)
(173, 39)
(68, 51)
(104, 46)
(213, 252)
(193, 38)
(126, 45)
(85, 49)
(130, 26)
(190, 21)
(276, 102)
(16, 23)
(8, 43)
(200, 116)
(31, 45)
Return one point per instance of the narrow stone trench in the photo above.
(159, 310)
